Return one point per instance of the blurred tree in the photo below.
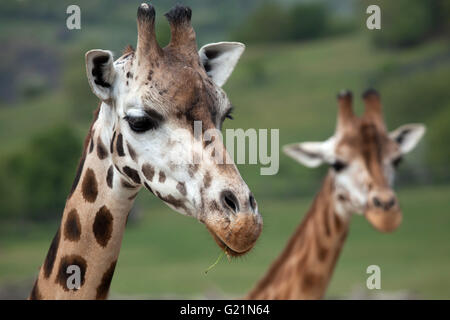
(11, 194)
(418, 97)
(268, 23)
(79, 96)
(256, 71)
(307, 21)
(406, 23)
(33, 86)
(35, 182)
(441, 17)
(272, 22)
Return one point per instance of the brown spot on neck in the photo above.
(89, 187)
(51, 255)
(72, 226)
(311, 281)
(63, 275)
(35, 293)
(91, 145)
(105, 282)
(103, 226)
(102, 152)
(83, 157)
(77, 175)
(110, 176)
(111, 146)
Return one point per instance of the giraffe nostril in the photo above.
(377, 203)
(390, 203)
(385, 205)
(230, 201)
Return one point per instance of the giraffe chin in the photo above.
(384, 221)
(240, 235)
(227, 249)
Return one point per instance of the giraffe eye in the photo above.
(141, 124)
(338, 165)
(229, 114)
(396, 162)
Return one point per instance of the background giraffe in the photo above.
(362, 156)
(148, 96)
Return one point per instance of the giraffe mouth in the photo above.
(225, 247)
(237, 235)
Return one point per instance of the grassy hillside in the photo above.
(292, 88)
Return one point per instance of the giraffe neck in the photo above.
(304, 268)
(92, 225)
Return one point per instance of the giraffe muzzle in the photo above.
(384, 220)
(383, 211)
(236, 224)
(236, 235)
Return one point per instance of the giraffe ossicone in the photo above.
(147, 95)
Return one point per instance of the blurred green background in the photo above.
(299, 55)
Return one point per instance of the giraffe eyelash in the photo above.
(141, 124)
(229, 115)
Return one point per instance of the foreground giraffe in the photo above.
(147, 96)
(362, 156)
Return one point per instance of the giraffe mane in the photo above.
(128, 50)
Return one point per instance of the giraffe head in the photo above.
(363, 156)
(154, 100)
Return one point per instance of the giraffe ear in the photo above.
(408, 136)
(219, 59)
(100, 72)
(310, 154)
